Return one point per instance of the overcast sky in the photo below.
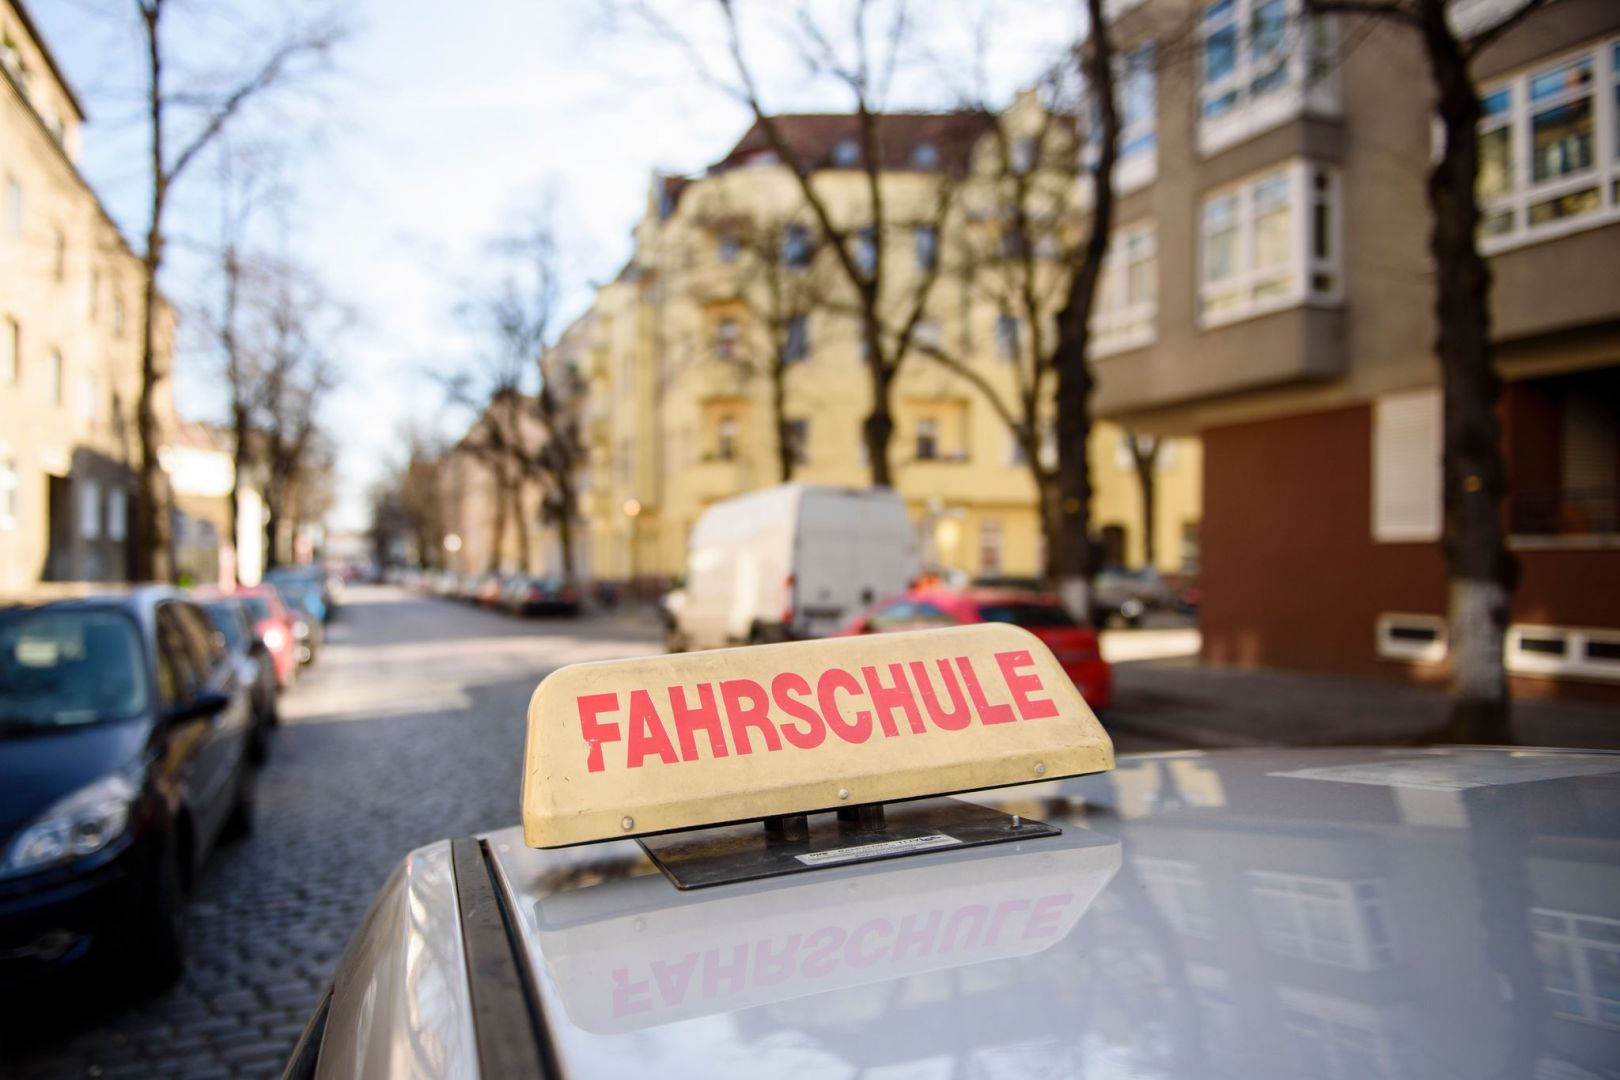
(443, 123)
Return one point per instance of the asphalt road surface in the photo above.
(408, 729)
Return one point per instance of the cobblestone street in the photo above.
(408, 729)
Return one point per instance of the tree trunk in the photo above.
(565, 525)
(784, 446)
(498, 487)
(1072, 559)
(520, 521)
(273, 495)
(239, 467)
(151, 554)
(877, 430)
(1481, 572)
(1145, 461)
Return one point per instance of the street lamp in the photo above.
(452, 543)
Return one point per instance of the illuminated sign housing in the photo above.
(634, 747)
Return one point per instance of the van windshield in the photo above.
(66, 668)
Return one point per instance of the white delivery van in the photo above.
(791, 561)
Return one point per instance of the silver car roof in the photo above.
(1357, 913)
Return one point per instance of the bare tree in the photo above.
(1042, 264)
(886, 302)
(211, 111)
(283, 333)
(1481, 570)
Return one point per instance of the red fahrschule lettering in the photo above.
(740, 716)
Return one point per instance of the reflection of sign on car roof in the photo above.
(635, 747)
(1459, 770)
(690, 954)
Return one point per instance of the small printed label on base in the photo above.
(879, 850)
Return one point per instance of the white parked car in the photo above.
(786, 562)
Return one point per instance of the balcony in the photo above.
(1579, 513)
(1297, 345)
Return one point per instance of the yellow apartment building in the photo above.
(727, 282)
(70, 310)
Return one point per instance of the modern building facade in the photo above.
(1292, 328)
(730, 286)
(70, 333)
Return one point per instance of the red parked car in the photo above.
(274, 625)
(1074, 644)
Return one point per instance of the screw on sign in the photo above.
(642, 746)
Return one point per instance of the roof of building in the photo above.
(813, 138)
(45, 50)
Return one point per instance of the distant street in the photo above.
(409, 728)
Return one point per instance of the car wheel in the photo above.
(240, 823)
(157, 941)
(259, 740)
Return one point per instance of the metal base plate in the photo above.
(728, 854)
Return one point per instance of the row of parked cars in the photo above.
(519, 594)
(131, 723)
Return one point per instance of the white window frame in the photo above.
(10, 351)
(1009, 345)
(1301, 895)
(928, 428)
(1309, 84)
(1561, 929)
(1390, 647)
(796, 340)
(10, 484)
(1303, 267)
(1119, 327)
(1575, 663)
(89, 497)
(1523, 192)
(1139, 167)
(117, 513)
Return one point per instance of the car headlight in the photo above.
(79, 825)
(274, 638)
(300, 630)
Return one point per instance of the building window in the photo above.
(10, 351)
(1411, 637)
(925, 156)
(1543, 167)
(1563, 651)
(1406, 468)
(1138, 104)
(1007, 337)
(57, 375)
(1339, 923)
(1177, 889)
(728, 247)
(8, 489)
(1580, 964)
(85, 398)
(990, 545)
(1563, 448)
(59, 254)
(927, 439)
(927, 336)
(846, 154)
(117, 513)
(1270, 242)
(797, 345)
(796, 247)
(725, 438)
(1128, 293)
(866, 250)
(727, 339)
(925, 241)
(89, 509)
(118, 315)
(1258, 68)
(1022, 154)
(14, 208)
(797, 435)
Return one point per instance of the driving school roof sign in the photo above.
(632, 747)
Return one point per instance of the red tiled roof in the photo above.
(812, 137)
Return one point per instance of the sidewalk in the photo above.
(1196, 706)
